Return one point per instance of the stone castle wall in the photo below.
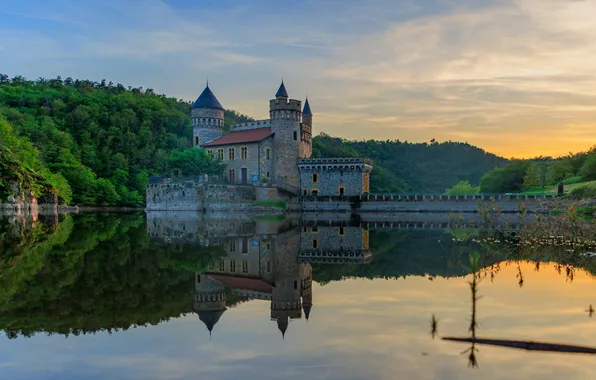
(192, 196)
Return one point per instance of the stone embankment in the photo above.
(33, 209)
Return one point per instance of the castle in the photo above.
(276, 151)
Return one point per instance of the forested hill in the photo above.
(95, 142)
(413, 167)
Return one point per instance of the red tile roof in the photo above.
(243, 283)
(237, 137)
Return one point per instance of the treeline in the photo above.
(540, 173)
(94, 143)
(413, 167)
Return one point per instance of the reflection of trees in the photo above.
(96, 273)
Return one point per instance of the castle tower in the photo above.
(207, 118)
(285, 115)
(306, 131)
(210, 300)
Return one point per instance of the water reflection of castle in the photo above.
(265, 260)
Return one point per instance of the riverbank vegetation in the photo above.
(542, 175)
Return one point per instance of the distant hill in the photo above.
(413, 167)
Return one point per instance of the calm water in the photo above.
(126, 297)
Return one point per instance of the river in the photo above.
(123, 296)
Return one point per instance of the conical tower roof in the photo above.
(282, 325)
(306, 110)
(281, 92)
(207, 100)
(306, 308)
(210, 318)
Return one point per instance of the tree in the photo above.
(536, 175)
(463, 188)
(194, 162)
(505, 180)
(588, 169)
(560, 170)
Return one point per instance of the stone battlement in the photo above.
(289, 105)
(361, 164)
(335, 160)
(251, 125)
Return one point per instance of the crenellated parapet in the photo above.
(251, 125)
(341, 164)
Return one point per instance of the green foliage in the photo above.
(194, 162)
(407, 167)
(92, 132)
(560, 170)
(588, 169)
(536, 175)
(572, 180)
(21, 165)
(463, 188)
(505, 180)
(583, 192)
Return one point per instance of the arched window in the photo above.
(315, 178)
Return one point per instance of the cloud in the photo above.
(372, 69)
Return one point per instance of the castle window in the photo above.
(244, 245)
(341, 231)
(366, 183)
(197, 140)
(233, 245)
(233, 266)
(314, 229)
(268, 266)
(244, 266)
(295, 285)
(341, 190)
(315, 244)
(231, 154)
(295, 135)
(268, 153)
(244, 153)
(315, 178)
(220, 154)
(268, 175)
(232, 175)
(315, 192)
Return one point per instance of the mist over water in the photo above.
(128, 297)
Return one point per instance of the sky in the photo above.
(515, 77)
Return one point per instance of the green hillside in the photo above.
(413, 167)
(101, 139)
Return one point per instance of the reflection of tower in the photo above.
(210, 301)
(306, 291)
(285, 300)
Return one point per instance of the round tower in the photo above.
(207, 118)
(210, 300)
(285, 117)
